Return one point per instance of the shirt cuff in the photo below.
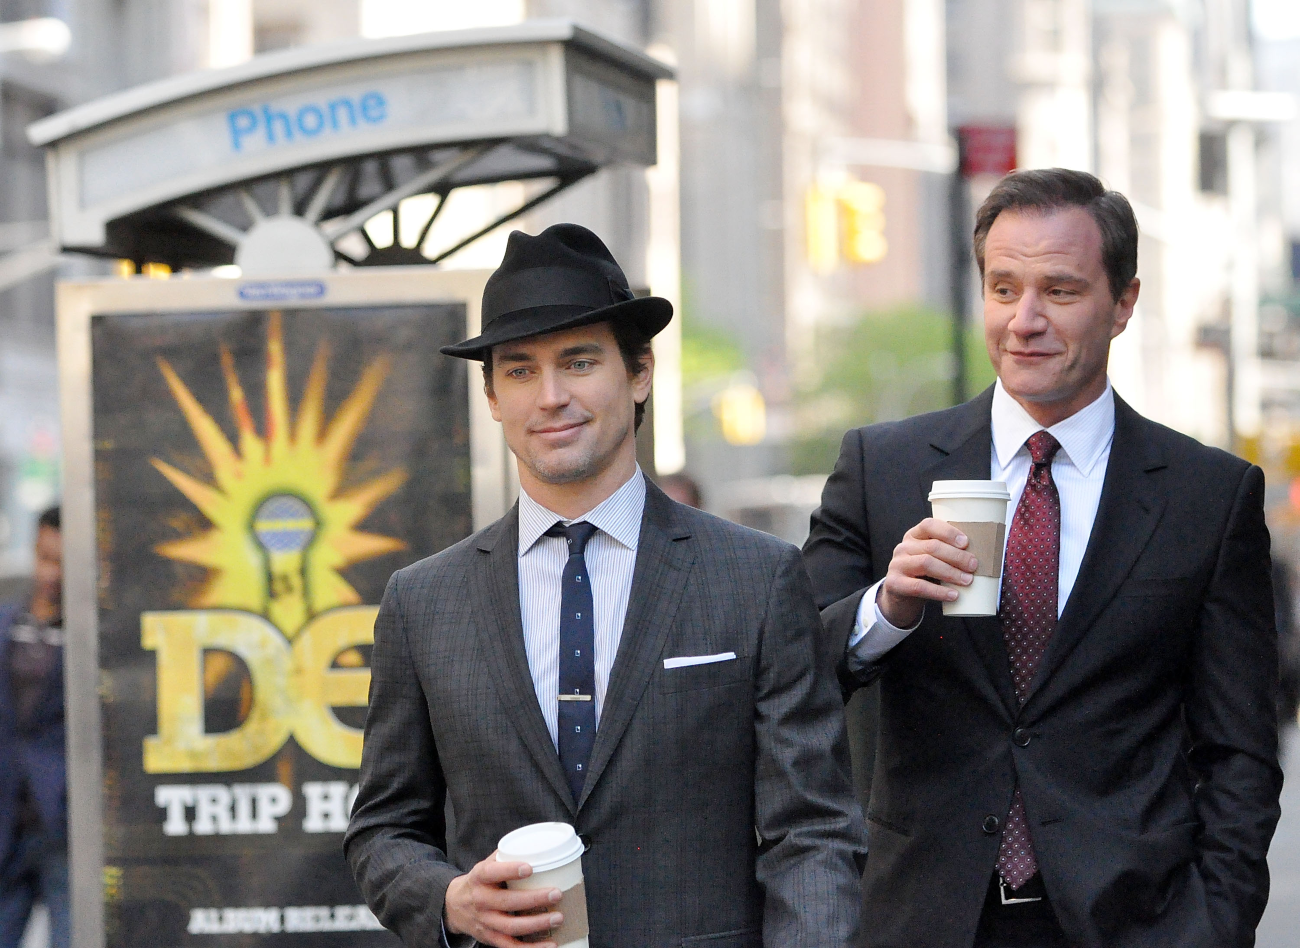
(873, 634)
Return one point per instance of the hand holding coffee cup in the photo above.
(936, 562)
(979, 510)
(554, 853)
(479, 904)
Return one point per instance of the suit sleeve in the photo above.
(837, 553)
(813, 841)
(396, 841)
(1232, 720)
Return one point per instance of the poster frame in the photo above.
(494, 485)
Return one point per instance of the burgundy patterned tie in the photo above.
(1029, 580)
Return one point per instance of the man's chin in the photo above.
(562, 470)
(1024, 387)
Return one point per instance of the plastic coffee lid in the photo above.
(951, 490)
(542, 845)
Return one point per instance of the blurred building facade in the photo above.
(815, 155)
(806, 166)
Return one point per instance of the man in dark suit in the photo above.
(656, 682)
(33, 772)
(1097, 765)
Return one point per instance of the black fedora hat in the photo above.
(563, 278)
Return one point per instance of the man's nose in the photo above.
(1029, 318)
(553, 392)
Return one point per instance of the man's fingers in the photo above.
(945, 552)
(515, 900)
(927, 566)
(908, 587)
(492, 872)
(516, 926)
(501, 940)
(933, 529)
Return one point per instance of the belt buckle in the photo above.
(1008, 899)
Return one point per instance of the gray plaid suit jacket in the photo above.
(718, 810)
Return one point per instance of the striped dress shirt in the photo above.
(1078, 470)
(611, 560)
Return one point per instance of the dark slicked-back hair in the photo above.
(1051, 189)
(51, 518)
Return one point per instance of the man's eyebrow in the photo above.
(1055, 277)
(513, 355)
(1065, 276)
(585, 348)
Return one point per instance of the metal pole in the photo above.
(958, 204)
(1244, 351)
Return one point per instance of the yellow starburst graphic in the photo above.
(282, 529)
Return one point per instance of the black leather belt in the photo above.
(1033, 892)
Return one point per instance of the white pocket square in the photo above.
(687, 660)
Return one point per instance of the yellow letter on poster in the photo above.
(294, 688)
(180, 638)
(321, 687)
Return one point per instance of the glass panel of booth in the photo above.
(246, 462)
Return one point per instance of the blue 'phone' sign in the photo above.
(270, 126)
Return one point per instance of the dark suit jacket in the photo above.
(1147, 747)
(34, 753)
(687, 764)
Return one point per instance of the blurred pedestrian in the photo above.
(1096, 766)
(33, 790)
(682, 488)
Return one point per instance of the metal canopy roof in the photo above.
(307, 144)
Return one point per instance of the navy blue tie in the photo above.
(577, 719)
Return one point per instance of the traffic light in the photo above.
(844, 220)
(741, 413)
(822, 221)
(863, 206)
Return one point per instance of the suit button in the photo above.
(1020, 737)
(991, 824)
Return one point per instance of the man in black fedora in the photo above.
(605, 657)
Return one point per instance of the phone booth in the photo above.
(249, 456)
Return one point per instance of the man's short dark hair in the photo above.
(1050, 189)
(633, 346)
(52, 518)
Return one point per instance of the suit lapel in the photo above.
(1127, 515)
(497, 586)
(965, 449)
(663, 562)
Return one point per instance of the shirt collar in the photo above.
(618, 515)
(1083, 436)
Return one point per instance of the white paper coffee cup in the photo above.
(555, 853)
(979, 510)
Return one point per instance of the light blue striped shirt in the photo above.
(611, 560)
(1078, 470)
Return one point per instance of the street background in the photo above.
(820, 163)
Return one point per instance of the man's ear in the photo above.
(642, 381)
(1124, 307)
(493, 407)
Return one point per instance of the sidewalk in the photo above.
(1280, 927)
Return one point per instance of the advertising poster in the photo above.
(258, 477)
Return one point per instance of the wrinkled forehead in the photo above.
(1061, 237)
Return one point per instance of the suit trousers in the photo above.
(1026, 925)
(35, 871)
